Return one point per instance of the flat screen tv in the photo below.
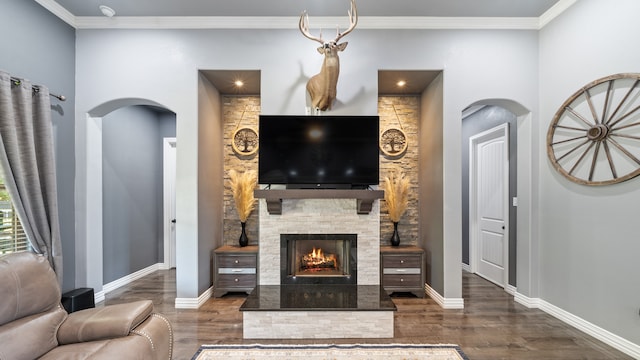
(329, 151)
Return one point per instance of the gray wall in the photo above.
(484, 119)
(589, 242)
(210, 178)
(430, 178)
(40, 47)
(132, 189)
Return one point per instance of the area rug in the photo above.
(331, 352)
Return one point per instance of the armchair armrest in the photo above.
(103, 323)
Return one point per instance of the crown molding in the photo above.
(554, 11)
(291, 22)
(59, 11)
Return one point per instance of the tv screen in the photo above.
(319, 151)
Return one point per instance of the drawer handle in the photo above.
(237, 270)
(401, 270)
(237, 262)
(401, 280)
(236, 279)
(401, 261)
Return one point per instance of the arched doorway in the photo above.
(103, 190)
(478, 118)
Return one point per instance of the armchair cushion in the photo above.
(28, 286)
(30, 337)
(103, 323)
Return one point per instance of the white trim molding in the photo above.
(98, 296)
(59, 11)
(466, 268)
(581, 324)
(531, 303)
(291, 22)
(168, 201)
(554, 11)
(194, 303)
(109, 287)
(445, 303)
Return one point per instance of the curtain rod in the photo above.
(35, 88)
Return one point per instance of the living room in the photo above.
(565, 264)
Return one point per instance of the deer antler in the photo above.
(303, 25)
(353, 21)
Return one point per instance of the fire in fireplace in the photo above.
(316, 261)
(318, 258)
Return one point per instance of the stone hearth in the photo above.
(317, 312)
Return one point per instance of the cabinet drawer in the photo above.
(236, 281)
(237, 271)
(402, 280)
(241, 261)
(401, 271)
(402, 261)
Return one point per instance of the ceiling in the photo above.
(415, 11)
(440, 8)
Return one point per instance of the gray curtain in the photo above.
(27, 161)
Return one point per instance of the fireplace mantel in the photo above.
(274, 197)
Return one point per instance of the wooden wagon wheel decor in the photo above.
(594, 138)
(245, 139)
(393, 141)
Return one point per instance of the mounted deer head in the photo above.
(322, 86)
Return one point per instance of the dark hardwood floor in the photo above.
(491, 326)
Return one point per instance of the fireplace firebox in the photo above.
(318, 258)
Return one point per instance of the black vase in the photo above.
(395, 237)
(244, 240)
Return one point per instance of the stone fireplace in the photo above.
(308, 250)
(320, 218)
(318, 259)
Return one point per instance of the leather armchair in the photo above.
(34, 325)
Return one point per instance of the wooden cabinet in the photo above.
(235, 269)
(402, 269)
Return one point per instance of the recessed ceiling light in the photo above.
(239, 83)
(401, 83)
(107, 11)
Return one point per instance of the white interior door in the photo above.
(489, 240)
(169, 191)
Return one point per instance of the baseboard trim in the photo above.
(98, 296)
(109, 287)
(510, 289)
(581, 324)
(194, 303)
(445, 303)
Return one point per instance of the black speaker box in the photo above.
(78, 299)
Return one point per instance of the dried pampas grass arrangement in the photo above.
(396, 194)
(242, 186)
